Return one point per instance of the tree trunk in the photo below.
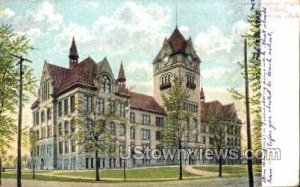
(33, 171)
(97, 165)
(180, 160)
(124, 171)
(0, 171)
(220, 166)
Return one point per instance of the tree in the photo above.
(94, 126)
(33, 139)
(217, 127)
(254, 74)
(177, 116)
(11, 43)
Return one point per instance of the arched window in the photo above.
(105, 84)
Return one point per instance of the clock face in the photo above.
(190, 59)
(165, 60)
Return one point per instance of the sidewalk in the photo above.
(224, 182)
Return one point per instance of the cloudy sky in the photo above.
(133, 32)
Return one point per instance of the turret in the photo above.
(73, 55)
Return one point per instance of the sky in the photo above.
(133, 32)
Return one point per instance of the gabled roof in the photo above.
(83, 72)
(145, 103)
(177, 41)
(218, 110)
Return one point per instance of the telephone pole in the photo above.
(249, 153)
(19, 160)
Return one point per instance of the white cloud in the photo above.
(92, 4)
(47, 14)
(216, 72)
(213, 41)
(131, 27)
(7, 12)
(240, 27)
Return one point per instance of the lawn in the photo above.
(155, 174)
(229, 169)
(142, 173)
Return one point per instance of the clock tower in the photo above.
(177, 57)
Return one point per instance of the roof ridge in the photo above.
(57, 66)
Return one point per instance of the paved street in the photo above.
(232, 182)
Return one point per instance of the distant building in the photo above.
(61, 88)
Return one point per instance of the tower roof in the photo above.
(73, 50)
(121, 77)
(202, 95)
(177, 41)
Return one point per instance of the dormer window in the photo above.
(105, 84)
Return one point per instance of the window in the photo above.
(211, 141)
(66, 146)
(203, 128)
(112, 129)
(66, 128)
(72, 101)
(122, 109)
(48, 131)
(66, 107)
(105, 84)
(112, 107)
(122, 129)
(60, 147)
(100, 105)
(73, 126)
(186, 136)
(132, 133)
(112, 147)
(49, 116)
(43, 116)
(60, 129)
(60, 109)
(92, 162)
(86, 162)
(145, 134)
(88, 125)
(194, 123)
(88, 103)
(122, 147)
(159, 121)
(193, 136)
(165, 81)
(132, 117)
(145, 119)
(203, 140)
(190, 106)
(190, 78)
(190, 82)
(158, 135)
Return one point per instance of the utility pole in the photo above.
(19, 161)
(249, 153)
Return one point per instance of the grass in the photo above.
(143, 173)
(146, 174)
(229, 169)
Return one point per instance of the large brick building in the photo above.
(63, 89)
